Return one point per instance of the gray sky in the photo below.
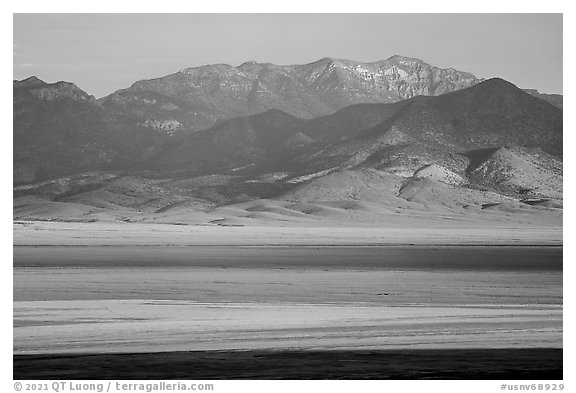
(105, 52)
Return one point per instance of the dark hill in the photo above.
(60, 129)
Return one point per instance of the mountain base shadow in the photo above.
(461, 364)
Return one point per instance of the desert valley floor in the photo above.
(475, 302)
(294, 216)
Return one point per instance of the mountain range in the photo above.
(333, 134)
(196, 98)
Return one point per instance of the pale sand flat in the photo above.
(100, 326)
(126, 234)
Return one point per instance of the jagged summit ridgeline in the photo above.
(196, 98)
(32, 81)
(51, 91)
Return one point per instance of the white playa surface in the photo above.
(113, 287)
(96, 326)
(101, 310)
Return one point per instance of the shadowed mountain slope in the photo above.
(439, 130)
(555, 99)
(425, 137)
(60, 129)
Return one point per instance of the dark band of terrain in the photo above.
(467, 364)
(412, 257)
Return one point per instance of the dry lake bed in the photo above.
(281, 310)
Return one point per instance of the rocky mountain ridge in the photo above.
(197, 98)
